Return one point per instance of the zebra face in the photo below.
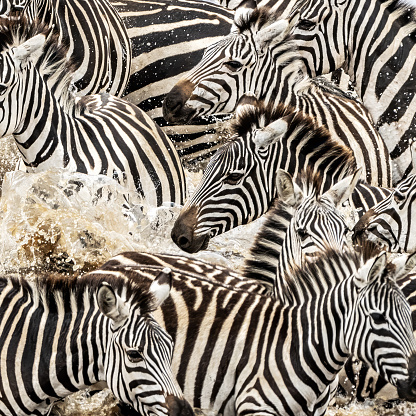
(243, 61)
(380, 330)
(389, 223)
(320, 34)
(137, 365)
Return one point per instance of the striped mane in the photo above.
(303, 283)
(258, 116)
(55, 289)
(52, 62)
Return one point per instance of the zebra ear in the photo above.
(161, 286)
(287, 190)
(342, 190)
(272, 133)
(372, 270)
(27, 48)
(404, 265)
(111, 305)
(272, 34)
(242, 14)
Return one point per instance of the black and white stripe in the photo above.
(238, 338)
(258, 56)
(168, 38)
(96, 134)
(96, 36)
(239, 183)
(60, 335)
(374, 41)
(391, 223)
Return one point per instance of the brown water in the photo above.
(53, 220)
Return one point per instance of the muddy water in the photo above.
(73, 223)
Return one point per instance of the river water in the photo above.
(54, 221)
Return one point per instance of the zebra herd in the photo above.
(84, 86)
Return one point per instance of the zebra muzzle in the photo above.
(178, 407)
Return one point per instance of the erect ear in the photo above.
(404, 265)
(29, 47)
(242, 14)
(272, 34)
(272, 133)
(111, 305)
(161, 286)
(287, 190)
(372, 270)
(342, 190)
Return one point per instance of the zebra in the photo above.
(373, 40)
(239, 183)
(97, 38)
(258, 56)
(391, 222)
(168, 38)
(302, 222)
(96, 134)
(62, 334)
(239, 338)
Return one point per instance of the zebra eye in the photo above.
(398, 196)
(233, 65)
(304, 24)
(302, 234)
(233, 178)
(135, 355)
(378, 318)
(3, 88)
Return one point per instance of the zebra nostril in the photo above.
(183, 242)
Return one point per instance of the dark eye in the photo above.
(304, 24)
(234, 65)
(378, 318)
(135, 354)
(233, 178)
(302, 234)
(3, 88)
(398, 196)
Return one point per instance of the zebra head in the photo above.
(239, 183)
(379, 329)
(391, 222)
(245, 60)
(321, 30)
(137, 364)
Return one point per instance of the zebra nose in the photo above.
(173, 107)
(178, 407)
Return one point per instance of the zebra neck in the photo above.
(54, 338)
(264, 256)
(44, 126)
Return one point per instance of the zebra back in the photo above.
(97, 134)
(97, 40)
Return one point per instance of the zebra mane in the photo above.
(259, 17)
(260, 115)
(52, 62)
(265, 251)
(326, 270)
(55, 289)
